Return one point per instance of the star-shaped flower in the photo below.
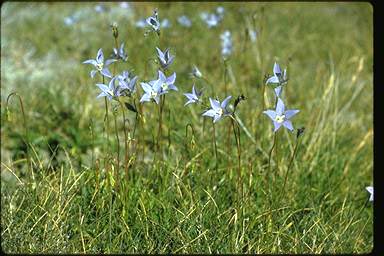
(218, 110)
(120, 53)
(111, 91)
(152, 91)
(370, 190)
(100, 65)
(127, 83)
(167, 83)
(280, 116)
(153, 21)
(278, 76)
(192, 97)
(165, 58)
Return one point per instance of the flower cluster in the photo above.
(280, 116)
(213, 19)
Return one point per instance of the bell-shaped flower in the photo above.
(100, 65)
(120, 53)
(218, 110)
(280, 116)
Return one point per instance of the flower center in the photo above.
(153, 94)
(99, 66)
(164, 86)
(220, 111)
(280, 119)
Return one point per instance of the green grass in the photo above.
(182, 204)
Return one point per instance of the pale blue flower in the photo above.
(167, 83)
(120, 53)
(127, 83)
(211, 19)
(280, 116)
(370, 190)
(100, 65)
(111, 91)
(278, 76)
(165, 58)
(278, 91)
(152, 91)
(218, 110)
(184, 21)
(153, 22)
(193, 97)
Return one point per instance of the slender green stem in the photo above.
(117, 171)
(25, 127)
(236, 132)
(214, 142)
(126, 159)
(290, 163)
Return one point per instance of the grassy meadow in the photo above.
(66, 186)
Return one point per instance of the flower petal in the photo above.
(160, 53)
(173, 87)
(225, 102)
(278, 91)
(105, 72)
(93, 62)
(272, 80)
(145, 97)
(280, 107)
(288, 125)
(146, 87)
(162, 77)
(290, 113)
(171, 79)
(93, 73)
(100, 56)
(210, 113)
(108, 62)
(216, 118)
(276, 69)
(270, 113)
(277, 125)
(214, 104)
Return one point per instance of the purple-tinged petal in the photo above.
(214, 104)
(171, 79)
(103, 88)
(93, 62)
(270, 113)
(210, 113)
(189, 95)
(288, 125)
(100, 56)
(102, 94)
(108, 62)
(290, 113)
(272, 80)
(162, 77)
(160, 53)
(105, 72)
(93, 73)
(278, 91)
(156, 85)
(225, 102)
(146, 87)
(173, 87)
(280, 107)
(277, 125)
(145, 97)
(189, 102)
(216, 118)
(157, 99)
(276, 69)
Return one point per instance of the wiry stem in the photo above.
(290, 163)
(25, 126)
(236, 131)
(117, 171)
(214, 142)
(126, 164)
